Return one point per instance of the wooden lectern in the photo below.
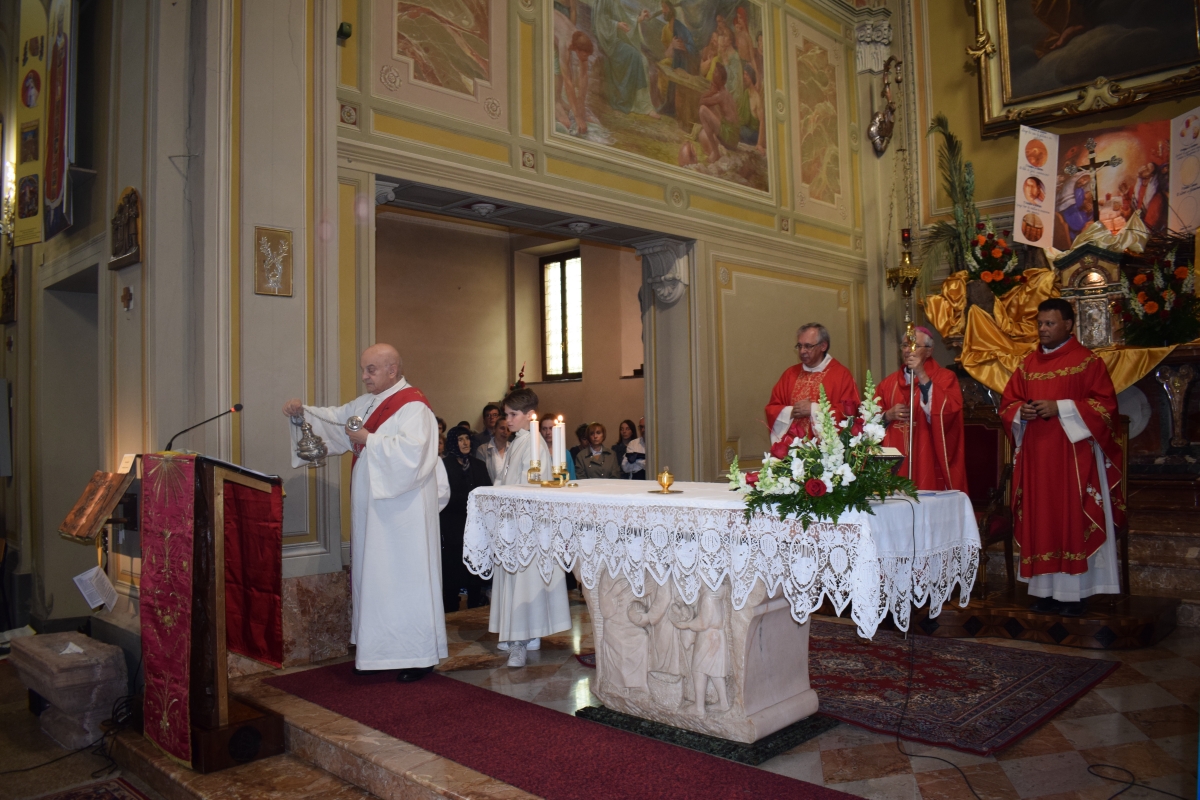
(211, 584)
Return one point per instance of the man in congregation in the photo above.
(491, 415)
(937, 461)
(1061, 409)
(795, 396)
(398, 486)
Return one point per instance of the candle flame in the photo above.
(534, 416)
(560, 419)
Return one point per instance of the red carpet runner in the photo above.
(547, 753)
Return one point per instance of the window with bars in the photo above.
(562, 317)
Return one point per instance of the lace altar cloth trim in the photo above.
(514, 528)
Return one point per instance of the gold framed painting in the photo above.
(1046, 60)
(273, 262)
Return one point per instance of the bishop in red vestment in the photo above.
(1061, 410)
(937, 461)
(797, 391)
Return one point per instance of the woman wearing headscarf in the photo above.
(465, 472)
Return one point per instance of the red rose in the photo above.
(849, 408)
(1008, 251)
(751, 478)
(980, 226)
(794, 431)
(780, 449)
(991, 236)
(815, 487)
(857, 427)
(1005, 232)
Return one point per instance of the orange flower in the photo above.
(998, 275)
(1151, 307)
(997, 252)
(1181, 272)
(1141, 296)
(1139, 279)
(1001, 243)
(986, 277)
(980, 239)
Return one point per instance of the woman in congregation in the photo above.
(596, 460)
(494, 452)
(626, 433)
(465, 473)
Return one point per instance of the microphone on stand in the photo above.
(236, 407)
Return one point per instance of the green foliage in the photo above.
(946, 239)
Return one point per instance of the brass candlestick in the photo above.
(534, 473)
(905, 276)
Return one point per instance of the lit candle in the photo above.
(534, 433)
(560, 443)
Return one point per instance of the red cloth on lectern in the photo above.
(798, 385)
(168, 495)
(254, 572)
(390, 406)
(1058, 507)
(938, 462)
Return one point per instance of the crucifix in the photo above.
(126, 298)
(1093, 167)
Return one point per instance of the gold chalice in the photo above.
(665, 480)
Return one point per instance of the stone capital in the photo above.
(666, 268)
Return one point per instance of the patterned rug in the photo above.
(112, 789)
(970, 696)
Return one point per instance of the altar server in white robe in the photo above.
(398, 486)
(524, 606)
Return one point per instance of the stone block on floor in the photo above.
(79, 677)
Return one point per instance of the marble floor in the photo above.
(1143, 717)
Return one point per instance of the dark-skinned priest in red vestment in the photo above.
(797, 391)
(1060, 408)
(937, 461)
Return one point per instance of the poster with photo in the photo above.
(1033, 217)
(1184, 214)
(56, 200)
(28, 119)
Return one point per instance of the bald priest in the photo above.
(397, 488)
(1060, 408)
(932, 408)
(794, 398)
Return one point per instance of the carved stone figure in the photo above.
(706, 620)
(666, 656)
(624, 646)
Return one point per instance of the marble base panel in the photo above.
(316, 618)
(656, 655)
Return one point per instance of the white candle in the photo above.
(560, 443)
(534, 433)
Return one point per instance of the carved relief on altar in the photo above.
(689, 664)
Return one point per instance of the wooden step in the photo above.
(278, 776)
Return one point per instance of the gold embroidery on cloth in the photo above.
(1058, 373)
(1099, 408)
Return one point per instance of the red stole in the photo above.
(1057, 503)
(938, 462)
(390, 406)
(798, 385)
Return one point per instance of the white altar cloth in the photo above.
(906, 552)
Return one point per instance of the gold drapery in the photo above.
(947, 311)
(995, 344)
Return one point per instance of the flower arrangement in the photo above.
(1160, 306)
(991, 260)
(823, 475)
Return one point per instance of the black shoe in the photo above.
(1074, 609)
(415, 674)
(1046, 605)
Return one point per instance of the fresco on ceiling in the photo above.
(678, 83)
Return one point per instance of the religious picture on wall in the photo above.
(820, 115)
(126, 230)
(56, 198)
(28, 149)
(448, 50)
(1056, 45)
(1113, 194)
(680, 84)
(1185, 175)
(27, 197)
(1037, 156)
(31, 88)
(273, 262)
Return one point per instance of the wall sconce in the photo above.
(344, 31)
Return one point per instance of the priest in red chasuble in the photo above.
(795, 395)
(935, 415)
(1061, 410)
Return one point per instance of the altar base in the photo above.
(657, 653)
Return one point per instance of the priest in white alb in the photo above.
(398, 486)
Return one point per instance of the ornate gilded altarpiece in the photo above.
(1041, 62)
(449, 58)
